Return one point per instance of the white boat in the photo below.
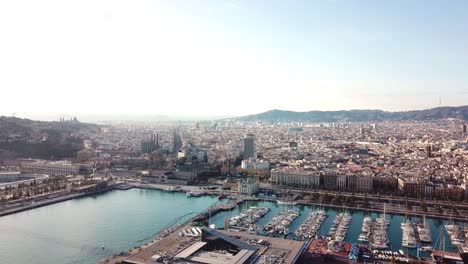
(173, 189)
(194, 194)
(427, 249)
(363, 238)
(286, 202)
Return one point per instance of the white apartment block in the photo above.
(253, 164)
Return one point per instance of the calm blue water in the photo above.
(394, 230)
(73, 232)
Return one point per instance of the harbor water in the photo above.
(74, 232)
(92, 228)
(394, 229)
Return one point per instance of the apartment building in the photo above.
(295, 177)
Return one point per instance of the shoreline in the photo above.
(161, 187)
(55, 200)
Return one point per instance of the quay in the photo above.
(60, 197)
(49, 199)
(213, 246)
(246, 220)
(309, 228)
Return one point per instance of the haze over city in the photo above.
(230, 58)
(233, 132)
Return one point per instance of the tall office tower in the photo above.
(176, 141)
(361, 131)
(464, 128)
(429, 151)
(249, 146)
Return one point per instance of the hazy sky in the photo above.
(218, 57)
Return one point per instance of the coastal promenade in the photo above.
(375, 203)
(44, 200)
(23, 206)
(394, 205)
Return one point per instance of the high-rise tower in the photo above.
(249, 146)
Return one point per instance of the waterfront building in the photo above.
(295, 177)
(169, 177)
(359, 183)
(411, 185)
(249, 146)
(390, 182)
(209, 246)
(248, 186)
(330, 181)
(56, 167)
(342, 182)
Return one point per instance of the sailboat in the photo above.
(453, 231)
(379, 236)
(440, 242)
(424, 232)
(408, 237)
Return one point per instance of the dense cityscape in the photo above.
(233, 132)
(410, 168)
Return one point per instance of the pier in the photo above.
(280, 223)
(311, 225)
(339, 227)
(246, 220)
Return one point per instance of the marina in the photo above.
(379, 237)
(416, 233)
(339, 227)
(456, 234)
(409, 237)
(309, 228)
(424, 232)
(246, 220)
(139, 213)
(365, 229)
(279, 224)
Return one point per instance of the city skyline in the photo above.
(231, 58)
(233, 131)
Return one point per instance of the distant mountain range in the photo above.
(459, 112)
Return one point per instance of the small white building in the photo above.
(253, 164)
(248, 186)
